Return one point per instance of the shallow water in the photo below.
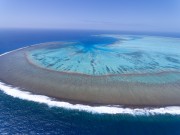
(132, 90)
(21, 116)
(126, 55)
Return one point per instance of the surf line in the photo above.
(24, 95)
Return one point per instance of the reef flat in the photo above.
(131, 70)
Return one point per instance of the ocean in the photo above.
(22, 115)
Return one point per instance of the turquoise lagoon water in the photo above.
(152, 59)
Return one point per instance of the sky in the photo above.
(125, 15)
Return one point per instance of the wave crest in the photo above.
(18, 93)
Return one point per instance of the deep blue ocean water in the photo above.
(20, 116)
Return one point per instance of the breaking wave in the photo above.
(17, 93)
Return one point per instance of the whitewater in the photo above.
(116, 109)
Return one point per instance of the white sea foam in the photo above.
(17, 93)
(14, 50)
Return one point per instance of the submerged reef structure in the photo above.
(133, 70)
